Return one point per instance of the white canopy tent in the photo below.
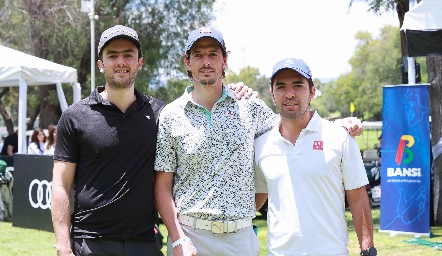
(427, 15)
(423, 32)
(21, 69)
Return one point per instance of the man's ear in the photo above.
(140, 63)
(100, 65)
(313, 92)
(186, 62)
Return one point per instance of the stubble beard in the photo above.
(206, 83)
(294, 115)
(121, 83)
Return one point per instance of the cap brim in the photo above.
(137, 43)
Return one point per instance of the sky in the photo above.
(259, 33)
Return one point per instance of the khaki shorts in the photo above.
(243, 242)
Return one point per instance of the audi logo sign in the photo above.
(42, 197)
(32, 191)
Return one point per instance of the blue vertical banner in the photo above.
(405, 201)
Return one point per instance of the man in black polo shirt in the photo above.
(105, 151)
(10, 146)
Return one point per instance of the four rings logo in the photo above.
(41, 198)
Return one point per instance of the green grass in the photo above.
(19, 241)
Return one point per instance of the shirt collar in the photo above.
(95, 97)
(187, 98)
(315, 123)
(313, 126)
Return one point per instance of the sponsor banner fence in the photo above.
(32, 191)
(405, 203)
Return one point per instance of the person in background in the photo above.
(11, 144)
(51, 139)
(3, 141)
(307, 164)
(37, 145)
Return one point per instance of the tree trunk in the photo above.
(32, 117)
(434, 67)
(6, 117)
(401, 8)
(49, 113)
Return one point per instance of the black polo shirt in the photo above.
(114, 152)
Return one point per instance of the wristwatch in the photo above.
(370, 251)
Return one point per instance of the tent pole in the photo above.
(76, 92)
(411, 70)
(22, 97)
(410, 60)
(61, 97)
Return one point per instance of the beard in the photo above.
(120, 83)
(207, 82)
(292, 115)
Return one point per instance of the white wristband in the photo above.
(181, 241)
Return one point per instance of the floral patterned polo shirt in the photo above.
(212, 154)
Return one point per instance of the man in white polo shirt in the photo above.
(307, 165)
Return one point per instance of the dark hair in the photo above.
(310, 84)
(34, 138)
(100, 54)
(187, 56)
(51, 140)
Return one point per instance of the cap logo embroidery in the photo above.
(318, 145)
(205, 30)
(288, 63)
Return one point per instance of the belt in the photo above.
(216, 226)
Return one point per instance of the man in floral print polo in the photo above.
(204, 162)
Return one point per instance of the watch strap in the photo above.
(181, 241)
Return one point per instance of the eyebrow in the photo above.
(118, 52)
(294, 82)
(214, 49)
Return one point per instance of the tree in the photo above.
(56, 30)
(173, 90)
(434, 67)
(374, 64)
(252, 78)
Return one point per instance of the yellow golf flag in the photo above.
(352, 107)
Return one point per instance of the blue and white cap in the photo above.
(297, 65)
(205, 32)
